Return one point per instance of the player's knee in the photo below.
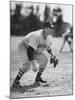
(41, 69)
(43, 64)
(44, 61)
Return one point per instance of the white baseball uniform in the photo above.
(35, 39)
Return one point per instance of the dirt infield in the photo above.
(59, 79)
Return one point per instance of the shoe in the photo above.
(40, 80)
(16, 85)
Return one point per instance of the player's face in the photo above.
(47, 31)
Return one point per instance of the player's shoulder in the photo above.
(34, 35)
(37, 33)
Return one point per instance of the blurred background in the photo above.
(27, 17)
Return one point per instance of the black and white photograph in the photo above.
(41, 49)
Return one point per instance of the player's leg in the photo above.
(70, 43)
(42, 61)
(34, 65)
(25, 64)
(25, 67)
(64, 41)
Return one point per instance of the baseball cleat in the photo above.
(16, 85)
(40, 80)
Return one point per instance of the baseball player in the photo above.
(67, 37)
(31, 49)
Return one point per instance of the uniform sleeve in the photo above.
(34, 43)
(49, 42)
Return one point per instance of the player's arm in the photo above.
(30, 52)
(53, 59)
(49, 45)
(32, 48)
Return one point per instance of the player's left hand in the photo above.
(54, 61)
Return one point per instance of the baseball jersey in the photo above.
(35, 39)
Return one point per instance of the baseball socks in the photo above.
(38, 76)
(16, 82)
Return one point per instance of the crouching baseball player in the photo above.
(31, 49)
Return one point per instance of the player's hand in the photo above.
(54, 61)
(34, 67)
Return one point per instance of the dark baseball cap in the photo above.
(48, 24)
